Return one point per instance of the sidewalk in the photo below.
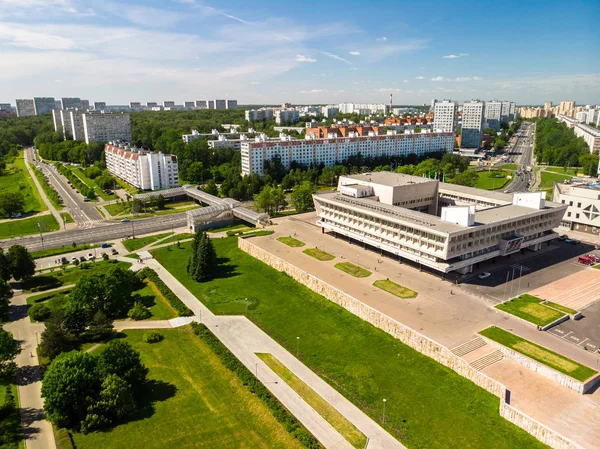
(244, 339)
(38, 431)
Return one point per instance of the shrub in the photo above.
(39, 312)
(153, 337)
(105, 256)
(139, 312)
(65, 441)
(180, 307)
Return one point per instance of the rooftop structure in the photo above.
(443, 226)
(583, 205)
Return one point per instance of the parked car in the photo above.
(125, 220)
(64, 260)
(484, 275)
(114, 252)
(91, 256)
(593, 257)
(105, 245)
(82, 259)
(17, 215)
(562, 237)
(73, 259)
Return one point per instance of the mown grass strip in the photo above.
(560, 308)
(530, 308)
(395, 289)
(291, 241)
(345, 428)
(547, 357)
(318, 254)
(63, 250)
(353, 270)
(137, 243)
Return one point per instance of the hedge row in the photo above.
(150, 274)
(65, 440)
(48, 189)
(280, 413)
(83, 188)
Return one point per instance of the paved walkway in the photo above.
(244, 339)
(38, 431)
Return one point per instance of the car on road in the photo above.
(484, 275)
(17, 215)
(73, 259)
(125, 220)
(64, 260)
(114, 252)
(91, 256)
(82, 258)
(105, 245)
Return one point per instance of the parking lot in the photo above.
(584, 332)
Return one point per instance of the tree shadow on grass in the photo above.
(41, 283)
(225, 269)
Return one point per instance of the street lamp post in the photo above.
(132, 228)
(297, 346)
(384, 401)
(41, 236)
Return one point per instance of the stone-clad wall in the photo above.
(415, 340)
(546, 371)
(538, 430)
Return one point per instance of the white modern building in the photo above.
(103, 127)
(283, 116)
(493, 114)
(25, 107)
(445, 114)
(583, 206)
(256, 115)
(220, 104)
(472, 124)
(590, 134)
(143, 170)
(330, 111)
(168, 104)
(362, 108)
(445, 227)
(591, 116)
(329, 151)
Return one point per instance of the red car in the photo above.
(585, 260)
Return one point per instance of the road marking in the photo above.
(582, 341)
(567, 334)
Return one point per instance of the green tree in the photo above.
(270, 200)
(589, 163)
(210, 188)
(4, 266)
(302, 197)
(22, 265)
(5, 294)
(120, 359)
(466, 178)
(55, 338)
(11, 203)
(160, 202)
(114, 404)
(203, 262)
(9, 348)
(69, 383)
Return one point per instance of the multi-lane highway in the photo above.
(523, 176)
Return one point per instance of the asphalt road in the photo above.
(523, 178)
(101, 233)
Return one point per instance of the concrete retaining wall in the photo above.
(540, 368)
(554, 323)
(415, 340)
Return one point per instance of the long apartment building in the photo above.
(472, 124)
(143, 170)
(442, 226)
(25, 107)
(330, 150)
(590, 134)
(92, 126)
(493, 114)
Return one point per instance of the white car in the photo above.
(91, 256)
(484, 275)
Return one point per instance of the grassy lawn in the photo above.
(428, 405)
(152, 298)
(137, 243)
(491, 179)
(530, 309)
(344, 427)
(90, 183)
(176, 238)
(68, 276)
(552, 359)
(232, 227)
(318, 254)
(28, 226)
(509, 167)
(100, 211)
(560, 308)
(395, 289)
(353, 270)
(16, 179)
(291, 241)
(118, 208)
(67, 218)
(548, 179)
(11, 432)
(127, 187)
(570, 170)
(63, 250)
(195, 403)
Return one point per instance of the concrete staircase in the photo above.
(487, 360)
(469, 346)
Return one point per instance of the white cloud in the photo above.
(476, 78)
(254, 83)
(467, 78)
(332, 56)
(406, 81)
(381, 39)
(355, 53)
(313, 91)
(388, 90)
(460, 55)
(419, 77)
(353, 68)
(439, 78)
(302, 58)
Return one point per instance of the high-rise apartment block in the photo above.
(220, 104)
(25, 107)
(330, 111)
(5, 107)
(135, 105)
(101, 127)
(44, 105)
(505, 113)
(211, 104)
(547, 105)
(151, 104)
(189, 104)
(143, 170)
(493, 114)
(472, 124)
(231, 104)
(71, 103)
(445, 115)
(256, 115)
(201, 104)
(168, 104)
(99, 105)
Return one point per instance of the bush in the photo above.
(39, 312)
(153, 337)
(105, 256)
(139, 312)
(280, 413)
(150, 274)
(65, 440)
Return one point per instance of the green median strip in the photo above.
(318, 254)
(63, 250)
(559, 307)
(353, 270)
(291, 241)
(545, 356)
(395, 289)
(345, 428)
(135, 244)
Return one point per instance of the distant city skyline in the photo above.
(271, 52)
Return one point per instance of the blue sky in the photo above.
(300, 52)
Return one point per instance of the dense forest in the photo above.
(556, 144)
(17, 133)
